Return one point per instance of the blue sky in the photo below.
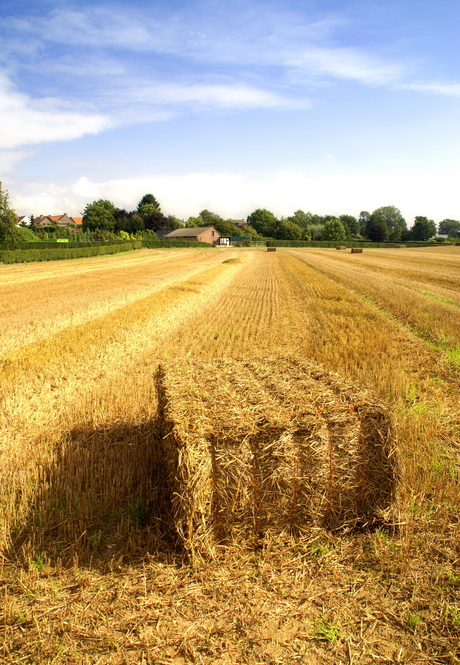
(329, 106)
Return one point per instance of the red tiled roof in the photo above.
(77, 220)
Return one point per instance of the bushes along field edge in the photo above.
(347, 244)
(42, 252)
(63, 253)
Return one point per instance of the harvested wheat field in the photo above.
(221, 456)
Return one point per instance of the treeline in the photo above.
(385, 224)
(103, 217)
(102, 220)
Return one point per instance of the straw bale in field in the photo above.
(341, 247)
(399, 246)
(271, 249)
(356, 250)
(258, 446)
(234, 260)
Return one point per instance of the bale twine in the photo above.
(258, 446)
(356, 250)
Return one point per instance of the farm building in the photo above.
(230, 240)
(199, 233)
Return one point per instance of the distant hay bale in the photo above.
(234, 260)
(271, 249)
(457, 244)
(341, 247)
(356, 250)
(399, 246)
(259, 446)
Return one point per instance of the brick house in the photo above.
(58, 220)
(199, 233)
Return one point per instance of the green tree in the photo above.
(301, 218)
(334, 230)
(174, 222)
(351, 224)
(134, 223)
(147, 209)
(26, 235)
(390, 216)
(423, 228)
(449, 226)
(99, 215)
(9, 236)
(363, 220)
(194, 222)
(148, 199)
(222, 226)
(263, 221)
(377, 232)
(286, 230)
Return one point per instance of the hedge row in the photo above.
(27, 255)
(345, 243)
(48, 244)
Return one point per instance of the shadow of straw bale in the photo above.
(103, 495)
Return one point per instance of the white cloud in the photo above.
(346, 63)
(27, 121)
(438, 88)
(83, 188)
(235, 195)
(180, 97)
(10, 158)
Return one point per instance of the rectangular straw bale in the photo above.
(356, 250)
(260, 445)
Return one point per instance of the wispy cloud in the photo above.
(437, 88)
(152, 64)
(25, 121)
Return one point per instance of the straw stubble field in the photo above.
(92, 569)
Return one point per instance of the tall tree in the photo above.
(377, 232)
(423, 228)
(99, 215)
(390, 216)
(451, 227)
(363, 219)
(286, 230)
(263, 221)
(9, 236)
(351, 224)
(301, 218)
(334, 230)
(148, 199)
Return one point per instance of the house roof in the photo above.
(192, 232)
(55, 219)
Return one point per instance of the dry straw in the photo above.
(260, 446)
(236, 259)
